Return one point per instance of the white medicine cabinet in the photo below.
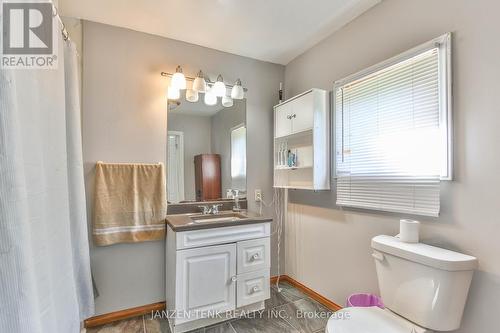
(302, 142)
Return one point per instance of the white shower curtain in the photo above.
(45, 281)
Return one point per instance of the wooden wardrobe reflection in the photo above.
(207, 173)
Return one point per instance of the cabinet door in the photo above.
(302, 113)
(283, 123)
(206, 281)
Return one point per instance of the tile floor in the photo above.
(292, 311)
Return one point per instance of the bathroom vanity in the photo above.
(217, 265)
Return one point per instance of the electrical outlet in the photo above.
(258, 195)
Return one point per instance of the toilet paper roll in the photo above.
(409, 231)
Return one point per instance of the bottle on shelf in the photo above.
(284, 154)
(291, 158)
(278, 157)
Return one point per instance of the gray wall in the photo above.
(197, 140)
(125, 120)
(222, 124)
(327, 248)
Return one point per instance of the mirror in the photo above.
(206, 150)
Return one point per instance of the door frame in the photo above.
(180, 162)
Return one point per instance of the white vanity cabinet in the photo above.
(216, 270)
(302, 126)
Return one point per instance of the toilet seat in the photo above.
(370, 320)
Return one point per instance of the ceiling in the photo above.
(270, 30)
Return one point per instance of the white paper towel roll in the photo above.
(409, 231)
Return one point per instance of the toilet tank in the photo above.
(425, 284)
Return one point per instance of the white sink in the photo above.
(217, 218)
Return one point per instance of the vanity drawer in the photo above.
(253, 255)
(252, 287)
(223, 235)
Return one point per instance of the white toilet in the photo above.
(424, 289)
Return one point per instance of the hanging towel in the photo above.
(130, 203)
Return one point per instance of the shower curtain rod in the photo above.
(55, 14)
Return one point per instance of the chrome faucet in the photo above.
(205, 209)
(215, 208)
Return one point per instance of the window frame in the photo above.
(443, 43)
(241, 125)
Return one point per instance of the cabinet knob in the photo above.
(255, 256)
(234, 278)
(255, 289)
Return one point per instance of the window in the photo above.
(393, 132)
(239, 157)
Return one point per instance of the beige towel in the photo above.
(130, 203)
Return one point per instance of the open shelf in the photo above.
(300, 144)
(297, 187)
(292, 168)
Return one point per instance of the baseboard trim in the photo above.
(308, 291)
(123, 314)
(160, 306)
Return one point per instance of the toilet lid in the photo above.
(370, 320)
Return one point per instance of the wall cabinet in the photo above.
(295, 115)
(302, 129)
(216, 270)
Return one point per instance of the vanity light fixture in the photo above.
(173, 93)
(178, 79)
(192, 95)
(199, 83)
(227, 101)
(202, 85)
(237, 92)
(210, 98)
(219, 88)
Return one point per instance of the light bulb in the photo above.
(219, 88)
(199, 84)
(173, 93)
(192, 96)
(210, 99)
(178, 79)
(237, 92)
(227, 101)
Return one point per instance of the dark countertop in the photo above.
(184, 222)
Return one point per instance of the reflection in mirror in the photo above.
(206, 151)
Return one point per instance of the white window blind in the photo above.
(391, 136)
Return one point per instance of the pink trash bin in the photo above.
(364, 300)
